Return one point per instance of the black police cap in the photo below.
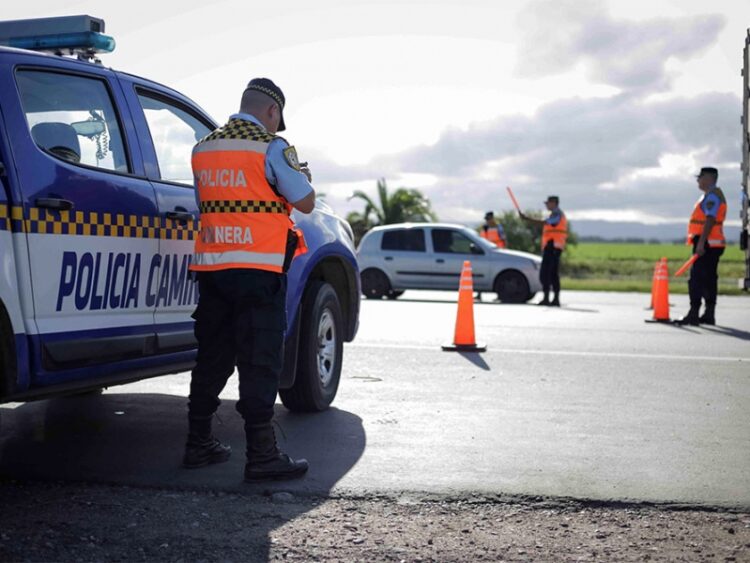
(708, 170)
(267, 87)
(553, 199)
(489, 215)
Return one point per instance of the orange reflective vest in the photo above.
(698, 221)
(558, 234)
(244, 222)
(492, 235)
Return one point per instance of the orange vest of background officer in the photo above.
(491, 231)
(492, 235)
(557, 233)
(698, 219)
(244, 222)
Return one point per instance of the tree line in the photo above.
(407, 205)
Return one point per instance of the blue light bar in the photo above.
(87, 40)
(82, 35)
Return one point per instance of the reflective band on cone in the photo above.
(463, 339)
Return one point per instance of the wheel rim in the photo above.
(326, 347)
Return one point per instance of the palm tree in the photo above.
(400, 206)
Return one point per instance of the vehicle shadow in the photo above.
(138, 439)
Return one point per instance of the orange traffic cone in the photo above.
(661, 295)
(463, 340)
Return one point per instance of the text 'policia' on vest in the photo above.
(716, 237)
(245, 223)
(558, 234)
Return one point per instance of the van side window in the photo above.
(404, 239)
(174, 133)
(450, 242)
(72, 118)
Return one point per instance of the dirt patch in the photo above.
(65, 522)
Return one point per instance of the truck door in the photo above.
(168, 129)
(90, 218)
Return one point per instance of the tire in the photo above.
(321, 351)
(512, 287)
(375, 284)
(393, 294)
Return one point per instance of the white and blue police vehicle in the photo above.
(97, 220)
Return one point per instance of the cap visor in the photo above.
(282, 125)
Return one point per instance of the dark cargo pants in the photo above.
(549, 272)
(704, 276)
(240, 321)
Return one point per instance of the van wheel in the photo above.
(321, 351)
(512, 287)
(375, 284)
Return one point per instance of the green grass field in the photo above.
(630, 267)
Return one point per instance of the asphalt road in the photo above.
(586, 401)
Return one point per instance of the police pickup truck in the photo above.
(97, 220)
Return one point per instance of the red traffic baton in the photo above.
(684, 268)
(513, 199)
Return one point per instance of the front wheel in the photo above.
(321, 351)
(512, 287)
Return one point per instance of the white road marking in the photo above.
(624, 355)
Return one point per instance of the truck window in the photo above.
(174, 133)
(72, 118)
(411, 240)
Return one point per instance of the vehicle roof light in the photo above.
(78, 35)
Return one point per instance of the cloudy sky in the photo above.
(612, 105)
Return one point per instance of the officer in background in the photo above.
(248, 180)
(493, 231)
(554, 235)
(706, 235)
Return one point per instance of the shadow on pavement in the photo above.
(728, 331)
(578, 310)
(476, 359)
(138, 440)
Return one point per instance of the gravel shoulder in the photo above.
(80, 522)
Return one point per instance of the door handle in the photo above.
(388, 258)
(440, 261)
(181, 216)
(56, 203)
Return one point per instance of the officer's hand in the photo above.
(700, 249)
(306, 171)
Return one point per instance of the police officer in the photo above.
(248, 180)
(706, 235)
(554, 236)
(493, 231)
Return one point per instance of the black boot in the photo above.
(555, 302)
(708, 317)
(691, 318)
(544, 302)
(264, 460)
(202, 448)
